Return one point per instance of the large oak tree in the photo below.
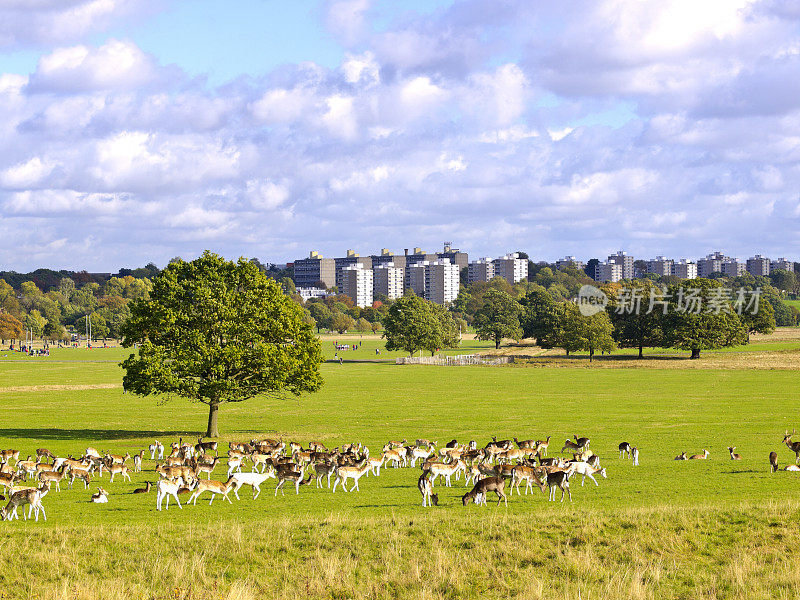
(217, 331)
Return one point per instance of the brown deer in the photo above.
(793, 446)
(490, 484)
(426, 489)
(733, 454)
(773, 461)
(702, 456)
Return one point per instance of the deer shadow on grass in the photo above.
(91, 434)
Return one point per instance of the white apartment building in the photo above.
(357, 283)
(511, 267)
(306, 293)
(607, 272)
(480, 270)
(685, 269)
(625, 261)
(388, 280)
(660, 265)
(781, 264)
(712, 263)
(437, 281)
(758, 265)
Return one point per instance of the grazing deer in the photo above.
(446, 471)
(252, 479)
(702, 456)
(32, 497)
(325, 468)
(165, 489)
(355, 473)
(635, 456)
(100, 496)
(214, 487)
(559, 479)
(490, 484)
(42, 453)
(793, 446)
(734, 456)
(571, 446)
(582, 442)
(426, 489)
(624, 450)
(145, 489)
(681, 456)
(773, 461)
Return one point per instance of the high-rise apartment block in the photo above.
(758, 265)
(388, 281)
(314, 270)
(781, 264)
(625, 261)
(660, 265)
(348, 261)
(685, 269)
(481, 270)
(357, 283)
(607, 272)
(511, 267)
(570, 261)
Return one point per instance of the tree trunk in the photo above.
(695, 353)
(497, 343)
(212, 430)
(591, 354)
(640, 351)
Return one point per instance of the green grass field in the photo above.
(712, 528)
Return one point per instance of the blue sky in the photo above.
(138, 130)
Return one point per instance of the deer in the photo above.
(426, 489)
(31, 496)
(207, 468)
(420, 453)
(624, 450)
(42, 453)
(92, 453)
(792, 468)
(733, 454)
(635, 456)
(214, 487)
(392, 456)
(235, 464)
(681, 456)
(446, 471)
(52, 477)
(355, 473)
(773, 461)
(137, 461)
(119, 468)
(490, 484)
(559, 479)
(83, 474)
(145, 489)
(375, 463)
(571, 446)
(793, 446)
(525, 444)
(541, 446)
(529, 475)
(325, 468)
(7, 455)
(165, 489)
(26, 467)
(586, 470)
(702, 456)
(253, 479)
(100, 496)
(293, 476)
(203, 447)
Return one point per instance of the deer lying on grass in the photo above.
(144, 490)
(681, 456)
(734, 456)
(793, 446)
(165, 489)
(702, 456)
(214, 487)
(426, 489)
(773, 461)
(100, 496)
(480, 490)
(32, 497)
(252, 479)
(355, 473)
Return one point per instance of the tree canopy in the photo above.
(498, 318)
(217, 331)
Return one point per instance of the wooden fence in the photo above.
(458, 360)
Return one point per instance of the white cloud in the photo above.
(265, 194)
(28, 174)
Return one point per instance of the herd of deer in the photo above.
(488, 468)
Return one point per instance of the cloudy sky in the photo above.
(137, 130)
